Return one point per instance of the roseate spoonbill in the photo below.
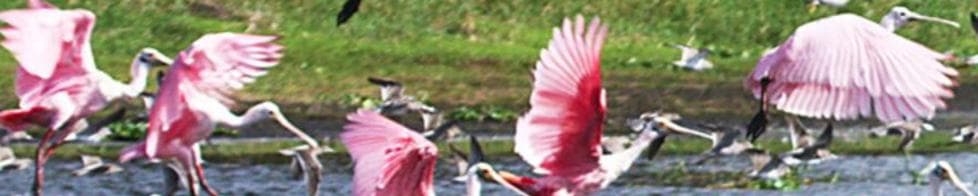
(395, 102)
(965, 134)
(845, 67)
(94, 164)
(693, 58)
(766, 165)
(389, 159)
(561, 134)
(349, 8)
(9, 161)
(194, 97)
(813, 153)
(56, 80)
(908, 131)
(939, 172)
(305, 164)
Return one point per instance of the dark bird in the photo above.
(814, 153)
(349, 8)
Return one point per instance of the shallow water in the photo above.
(858, 175)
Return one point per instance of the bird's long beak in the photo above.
(683, 130)
(298, 132)
(916, 16)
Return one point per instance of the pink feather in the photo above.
(846, 67)
(390, 158)
(561, 133)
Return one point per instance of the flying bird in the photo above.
(389, 159)
(846, 67)
(765, 165)
(908, 131)
(93, 164)
(194, 97)
(693, 58)
(561, 134)
(349, 8)
(813, 153)
(56, 79)
(938, 172)
(395, 102)
(9, 161)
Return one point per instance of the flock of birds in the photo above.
(839, 67)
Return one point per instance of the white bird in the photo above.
(9, 161)
(693, 58)
(940, 171)
(94, 164)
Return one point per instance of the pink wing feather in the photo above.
(845, 67)
(390, 158)
(561, 133)
(45, 42)
(213, 67)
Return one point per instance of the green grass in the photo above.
(479, 52)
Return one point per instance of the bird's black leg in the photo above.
(758, 124)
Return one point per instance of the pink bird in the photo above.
(846, 67)
(57, 81)
(390, 158)
(561, 134)
(194, 98)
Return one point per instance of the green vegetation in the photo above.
(479, 52)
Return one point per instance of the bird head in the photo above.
(900, 16)
(480, 170)
(153, 57)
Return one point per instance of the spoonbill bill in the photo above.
(56, 79)
(561, 134)
(846, 67)
(194, 97)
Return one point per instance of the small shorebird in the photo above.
(395, 102)
(726, 141)
(966, 135)
(94, 164)
(766, 165)
(940, 171)
(908, 131)
(693, 58)
(815, 152)
(9, 161)
(305, 163)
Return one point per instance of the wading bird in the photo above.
(194, 97)
(908, 131)
(56, 80)
(939, 172)
(966, 135)
(561, 134)
(94, 164)
(9, 161)
(846, 67)
(693, 58)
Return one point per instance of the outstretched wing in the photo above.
(845, 66)
(212, 68)
(561, 134)
(390, 158)
(48, 41)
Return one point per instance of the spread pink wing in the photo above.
(561, 133)
(45, 42)
(390, 158)
(845, 67)
(210, 69)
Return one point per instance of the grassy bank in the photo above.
(267, 151)
(479, 52)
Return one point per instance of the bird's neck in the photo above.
(628, 156)
(250, 117)
(891, 24)
(140, 72)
